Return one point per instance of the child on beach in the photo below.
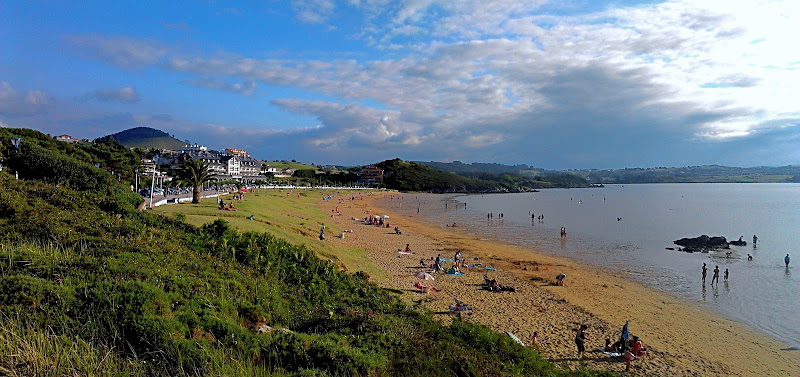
(580, 338)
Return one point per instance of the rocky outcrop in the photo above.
(703, 243)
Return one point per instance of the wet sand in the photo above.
(682, 339)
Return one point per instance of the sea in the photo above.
(630, 228)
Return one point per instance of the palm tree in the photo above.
(195, 173)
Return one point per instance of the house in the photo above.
(268, 169)
(237, 152)
(371, 175)
(285, 173)
(250, 167)
(67, 139)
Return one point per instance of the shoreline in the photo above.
(684, 340)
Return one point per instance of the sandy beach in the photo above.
(682, 339)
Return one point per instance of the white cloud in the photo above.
(497, 72)
(118, 50)
(31, 102)
(244, 88)
(125, 94)
(313, 11)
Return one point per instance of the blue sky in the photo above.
(561, 84)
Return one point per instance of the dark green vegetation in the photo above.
(688, 174)
(91, 286)
(416, 176)
(148, 138)
(696, 174)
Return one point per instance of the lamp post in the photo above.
(136, 179)
(152, 187)
(16, 141)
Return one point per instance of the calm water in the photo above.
(761, 293)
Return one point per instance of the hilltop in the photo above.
(147, 138)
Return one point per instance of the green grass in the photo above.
(289, 165)
(296, 220)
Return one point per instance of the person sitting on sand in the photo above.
(560, 279)
(637, 347)
(408, 248)
(609, 347)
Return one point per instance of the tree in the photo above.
(195, 173)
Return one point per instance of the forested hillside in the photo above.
(416, 176)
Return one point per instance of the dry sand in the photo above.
(683, 339)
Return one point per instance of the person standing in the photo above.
(726, 274)
(716, 275)
(580, 339)
(705, 271)
(786, 260)
(755, 239)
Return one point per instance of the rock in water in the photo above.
(702, 243)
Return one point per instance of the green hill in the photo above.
(91, 286)
(147, 138)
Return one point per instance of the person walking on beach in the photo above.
(786, 260)
(716, 275)
(726, 274)
(705, 271)
(580, 338)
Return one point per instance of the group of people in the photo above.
(630, 348)
(492, 286)
(226, 207)
(715, 278)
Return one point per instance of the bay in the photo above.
(627, 228)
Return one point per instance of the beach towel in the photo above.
(612, 354)
(405, 252)
(455, 273)
(514, 337)
(490, 269)
(459, 308)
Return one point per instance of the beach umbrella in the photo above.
(385, 216)
(625, 334)
(424, 275)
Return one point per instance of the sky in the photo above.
(553, 84)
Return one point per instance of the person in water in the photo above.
(705, 271)
(755, 239)
(716, 275)
(786, 260)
